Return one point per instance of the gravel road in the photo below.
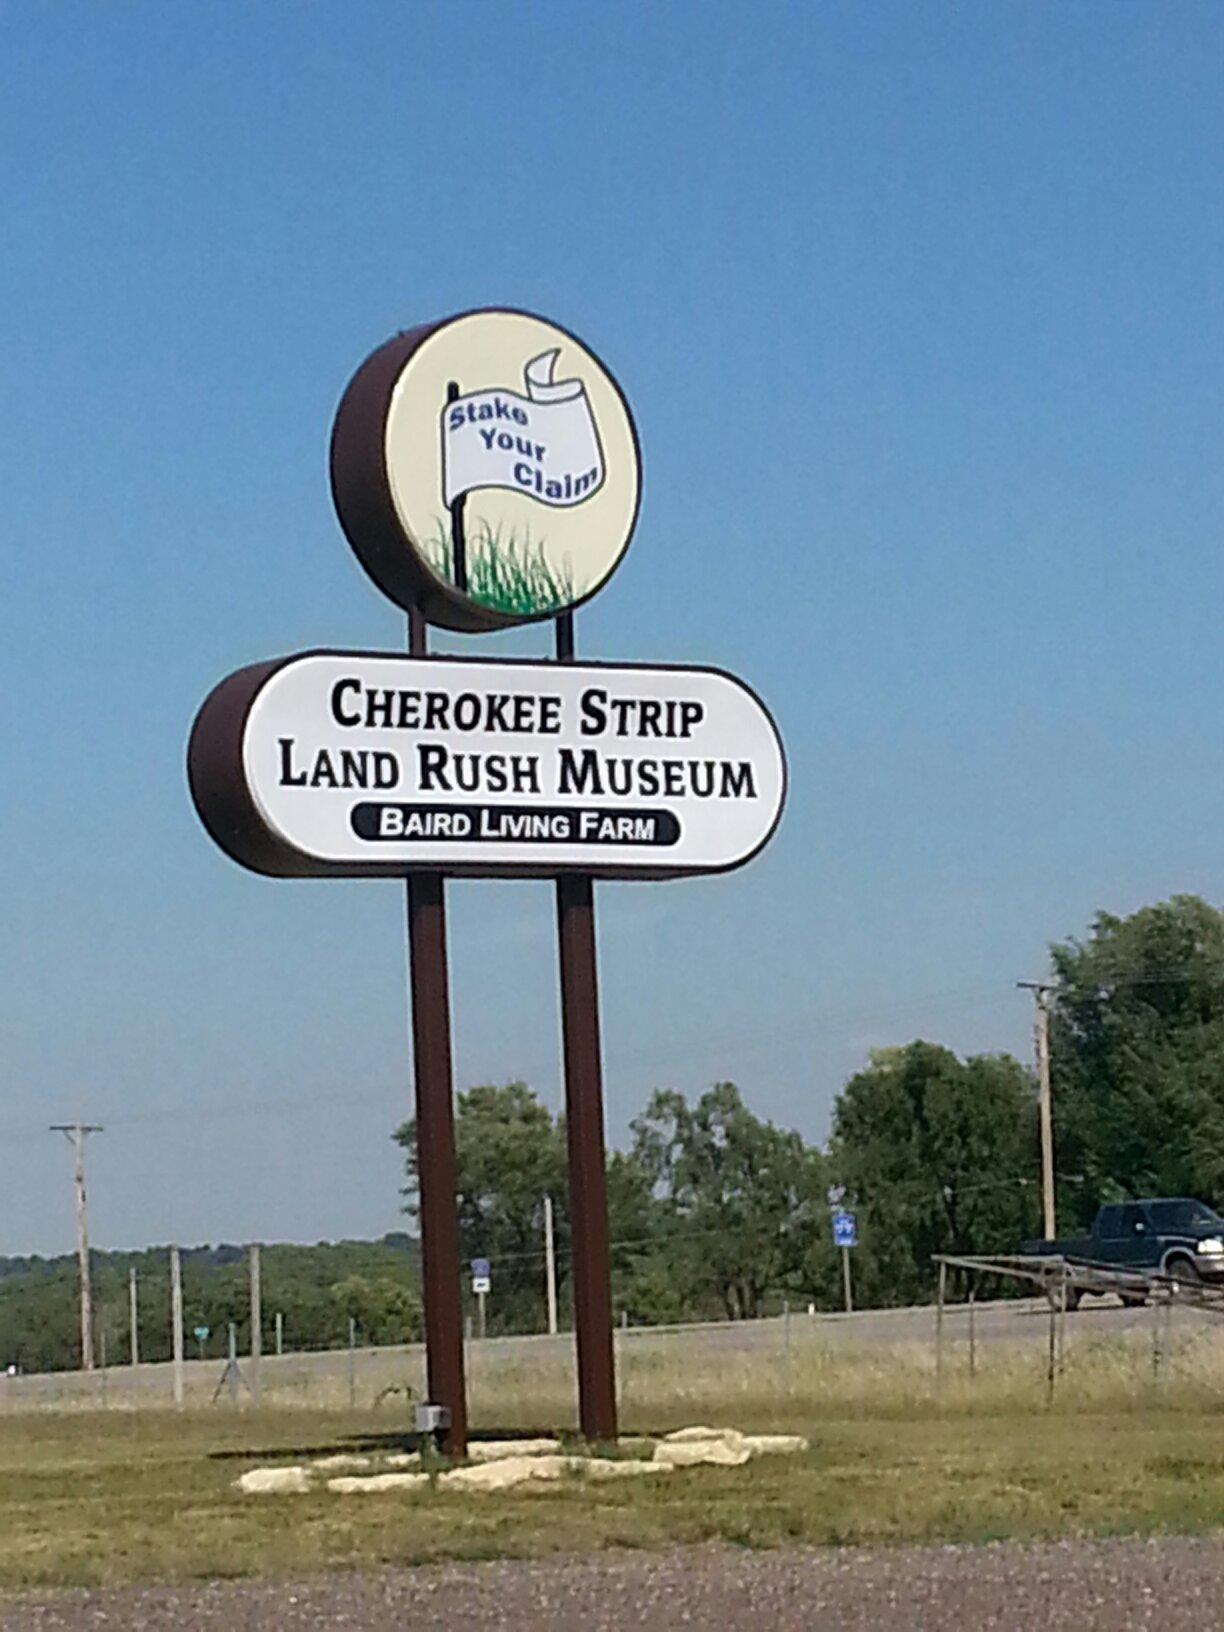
(1075, 1586)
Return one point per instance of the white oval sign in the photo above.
(361, 764)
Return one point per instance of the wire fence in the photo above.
(987, 1354)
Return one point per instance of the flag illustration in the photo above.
(544, 444)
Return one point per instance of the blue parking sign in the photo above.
(845, 1233)
(480, 1268)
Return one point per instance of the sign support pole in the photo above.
(436, 1168)
(846, 1280)
(584, 1127)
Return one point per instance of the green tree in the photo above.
(39, 1328)
(1137, 1057)
(384, 1310)
(509, 1153)
(937, 1155)
(645, 1286)
(742, 1197)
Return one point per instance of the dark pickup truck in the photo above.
(1174, 1236)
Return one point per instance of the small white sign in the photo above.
(481, 1284)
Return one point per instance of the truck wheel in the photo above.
(1182, 1271)
(1054, 1294)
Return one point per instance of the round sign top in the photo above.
(486, 470)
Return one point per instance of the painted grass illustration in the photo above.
(506, 570)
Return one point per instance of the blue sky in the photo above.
(918, 310)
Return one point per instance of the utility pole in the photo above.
(176, 1322)
(256, 1319)
(1041, 1038)
(550, 1266)
(133, 1313)
(76, 1134)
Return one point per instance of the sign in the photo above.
(845, 1232)
(486, 469)
(201, 1334)
(361, 764)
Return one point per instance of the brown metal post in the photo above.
(584, 1126)
(436, 1171)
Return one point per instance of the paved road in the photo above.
(1109, 1586)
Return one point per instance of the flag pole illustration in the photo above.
(458, 537)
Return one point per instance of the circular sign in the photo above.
(485, 469)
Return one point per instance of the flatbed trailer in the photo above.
(1065, 1280)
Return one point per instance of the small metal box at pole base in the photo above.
(432, 1419)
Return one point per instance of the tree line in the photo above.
(316, 1290)
(716, 1213)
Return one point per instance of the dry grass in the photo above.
(123, 1495)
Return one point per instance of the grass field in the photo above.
(107, 1497)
